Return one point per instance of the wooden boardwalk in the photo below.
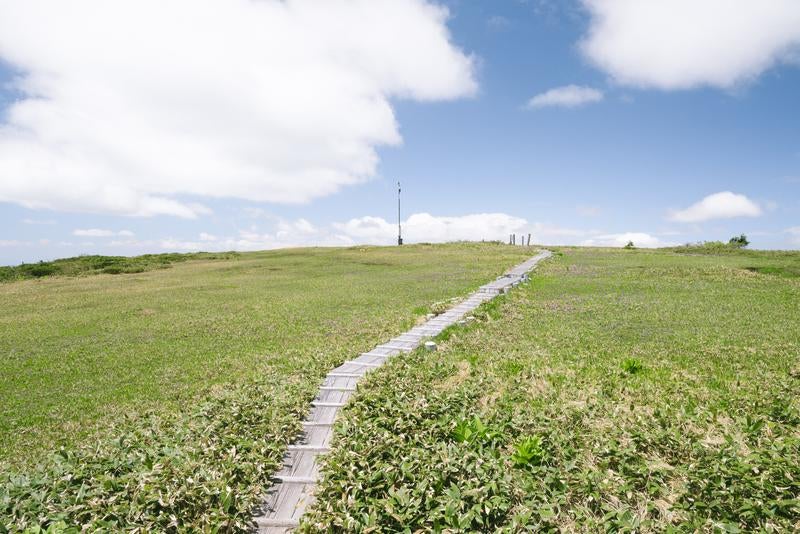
(293, 490)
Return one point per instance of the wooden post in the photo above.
(529, 239)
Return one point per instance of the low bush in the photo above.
(202, 471)
(87, 265)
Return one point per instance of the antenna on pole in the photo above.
(399, 229)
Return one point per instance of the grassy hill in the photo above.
(621, 390)
(88, 265)
(116, 389)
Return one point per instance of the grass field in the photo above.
(173, 392)
(89, 265)
(620, 390)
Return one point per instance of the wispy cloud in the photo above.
(99, 232)
(498, 23)
(639, 239)
(794, 235)
(588, 211)
(723, 205)
(568, 96)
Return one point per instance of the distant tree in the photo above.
(630, 245)
(739, 241)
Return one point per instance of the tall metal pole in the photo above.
(399, 229)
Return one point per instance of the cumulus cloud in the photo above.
(429, 228)
(639, 239)
(682, 44)
(420, 227)
(568, 96)
(724, 205)
(132, 107)
(100, 232)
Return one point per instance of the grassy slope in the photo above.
(89, 265)
(201, 370)
(80, 350)
(618, 390)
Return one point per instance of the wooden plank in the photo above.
(354, 362)
(295, 480)
(307, 448)
(397, 347)
(275, 522)
(322, 404)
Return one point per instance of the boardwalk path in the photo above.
(293, 491)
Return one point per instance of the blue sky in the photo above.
(665, 125)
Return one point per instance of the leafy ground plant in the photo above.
(632, 366)
(162, 401)
(707, 439)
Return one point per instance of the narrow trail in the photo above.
(293, 492)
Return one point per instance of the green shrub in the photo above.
(475, 431)
(81, 265)
(528, 452)
(202, 471)
(739, 241)
(632, 366)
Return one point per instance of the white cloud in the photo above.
(429, 228)
(99, 232)
(639, 239)
(424, 227)
(588, 211)
(498, 22)
(794, 235)
(682, 44)
(420, 227)
(568, 96)
(724, 205)
(129, 107)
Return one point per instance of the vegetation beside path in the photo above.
(620, 390)
(163, 400)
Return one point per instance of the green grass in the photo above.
(88, 265)
(200, 372)
(620, 390)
